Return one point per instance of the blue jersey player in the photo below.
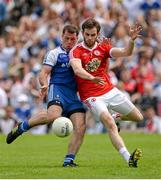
(62, 95)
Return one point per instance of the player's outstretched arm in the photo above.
(127, 51)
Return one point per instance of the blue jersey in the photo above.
(61, 73)
(62, 86)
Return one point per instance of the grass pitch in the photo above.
(38, 157)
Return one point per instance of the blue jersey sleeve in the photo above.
(50, 58)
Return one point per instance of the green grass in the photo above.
(42, 156)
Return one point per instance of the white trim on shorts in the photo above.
(113, 100)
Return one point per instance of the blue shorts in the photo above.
(66, 98)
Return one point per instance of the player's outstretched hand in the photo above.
(134, 31)
(98, 80)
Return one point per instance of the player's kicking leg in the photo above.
(38, 119)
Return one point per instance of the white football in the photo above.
(62, 127)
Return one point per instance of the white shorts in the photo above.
(113, 100)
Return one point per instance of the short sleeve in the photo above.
(50, 59)
(108, 50)
(74, 53)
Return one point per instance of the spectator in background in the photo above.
(3, 14)
(2, 11)
(148, 97)
(7, 120)
(157, 91)
(156, 61)
(153, 122)
(128, 82)
(6, 54)
(23, 109)
(3, 98)
(143, 71)
(150, 5)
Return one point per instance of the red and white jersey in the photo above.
(95, 61)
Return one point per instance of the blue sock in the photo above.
(24, 126)
(69, 158)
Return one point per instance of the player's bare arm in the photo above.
(79, 71)
(127, 51)
(43, 80)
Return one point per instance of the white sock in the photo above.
(125, 153)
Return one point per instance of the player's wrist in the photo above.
(91, 78)
(43, 86)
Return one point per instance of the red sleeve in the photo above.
(75, 53)
(108, 48)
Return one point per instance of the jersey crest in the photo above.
(93, 65)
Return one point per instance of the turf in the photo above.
(41, 157)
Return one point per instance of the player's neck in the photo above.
(89, 48)
(64, 48)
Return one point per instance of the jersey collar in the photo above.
(90, 49)
(63, 49)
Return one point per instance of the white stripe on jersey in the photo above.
(52, 56)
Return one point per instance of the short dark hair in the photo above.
(71, 29)
(91, 23)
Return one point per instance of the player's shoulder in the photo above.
(104, 46)
(77, 47)
(80, 44)
(54, 52)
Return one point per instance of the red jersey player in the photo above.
(89, 60)
(94, 61)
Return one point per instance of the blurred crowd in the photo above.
(28, 29)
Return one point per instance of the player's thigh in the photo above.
(96, 105)
(120, 103)
(55, 96)
(135, 115)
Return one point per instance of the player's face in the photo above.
(69, 40)
(90, 36)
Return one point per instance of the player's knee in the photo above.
(112, 127)
(52, 117)
(43, 114)
(135, 115)
(108, 122)
(140, 117)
